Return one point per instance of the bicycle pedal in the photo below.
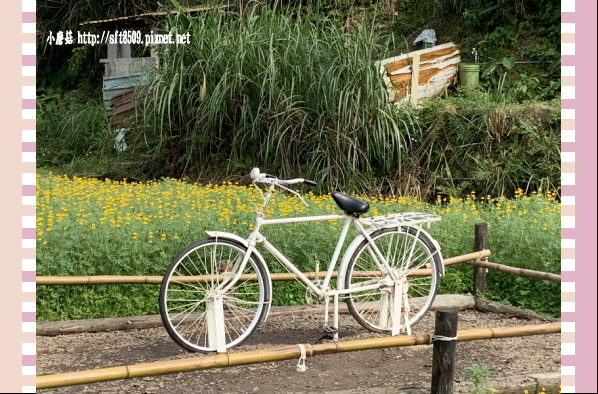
(330, 330)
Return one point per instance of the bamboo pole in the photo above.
(276, 354)
(467, 257)
(518, 271)
(156, 280)
(479, 273)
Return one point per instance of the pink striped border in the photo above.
(578, 179)
(567, 198)
(28, 146)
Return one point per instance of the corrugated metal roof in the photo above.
(151, 14)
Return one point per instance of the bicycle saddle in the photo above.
(351, 205)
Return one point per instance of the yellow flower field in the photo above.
(92, 227)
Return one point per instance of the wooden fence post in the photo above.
(443, 356)
(479, 273)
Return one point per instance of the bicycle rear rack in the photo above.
(400, 219)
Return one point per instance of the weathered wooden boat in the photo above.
(420, 75)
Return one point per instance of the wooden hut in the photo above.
(122, 72)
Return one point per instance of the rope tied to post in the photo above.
(435, 337)
(301, 363)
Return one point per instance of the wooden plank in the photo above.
(394, 66)
(122, 98)
(410, 54)
(52, 328)
(400, 90)
(485, 305)
(439, 59)
(117, 118)
(108, 94)
(437, 63)
(121, 83)
(151, 14)
(426, 75)
(415, 79)
(123, 107)
(438, 83)
(437, 53)
(401, 79)
(435, 84)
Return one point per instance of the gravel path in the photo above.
(383, 370)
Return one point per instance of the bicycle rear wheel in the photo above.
(406, 250)
(193, 282)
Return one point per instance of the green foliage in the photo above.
(280, 90)
(479, 144)
(524, 30)
(70, 127)
(529, 88)
(477, 374)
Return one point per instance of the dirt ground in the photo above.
(405, 369)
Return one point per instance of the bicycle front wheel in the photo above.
(413, 260)
(193, 289)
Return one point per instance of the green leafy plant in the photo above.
(477, 374)
(70, 128)
(281, 89)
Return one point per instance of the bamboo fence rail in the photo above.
(518, 271)
(276, 354)
(115, 279)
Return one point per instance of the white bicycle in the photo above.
(217, 290)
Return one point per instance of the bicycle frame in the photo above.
(256, 237)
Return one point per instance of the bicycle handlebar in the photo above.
(257, 176)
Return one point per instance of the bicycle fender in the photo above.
(437, 246)
(260, 259)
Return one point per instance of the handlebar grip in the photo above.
(310, 182)
(269, 176)
(255, 173)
